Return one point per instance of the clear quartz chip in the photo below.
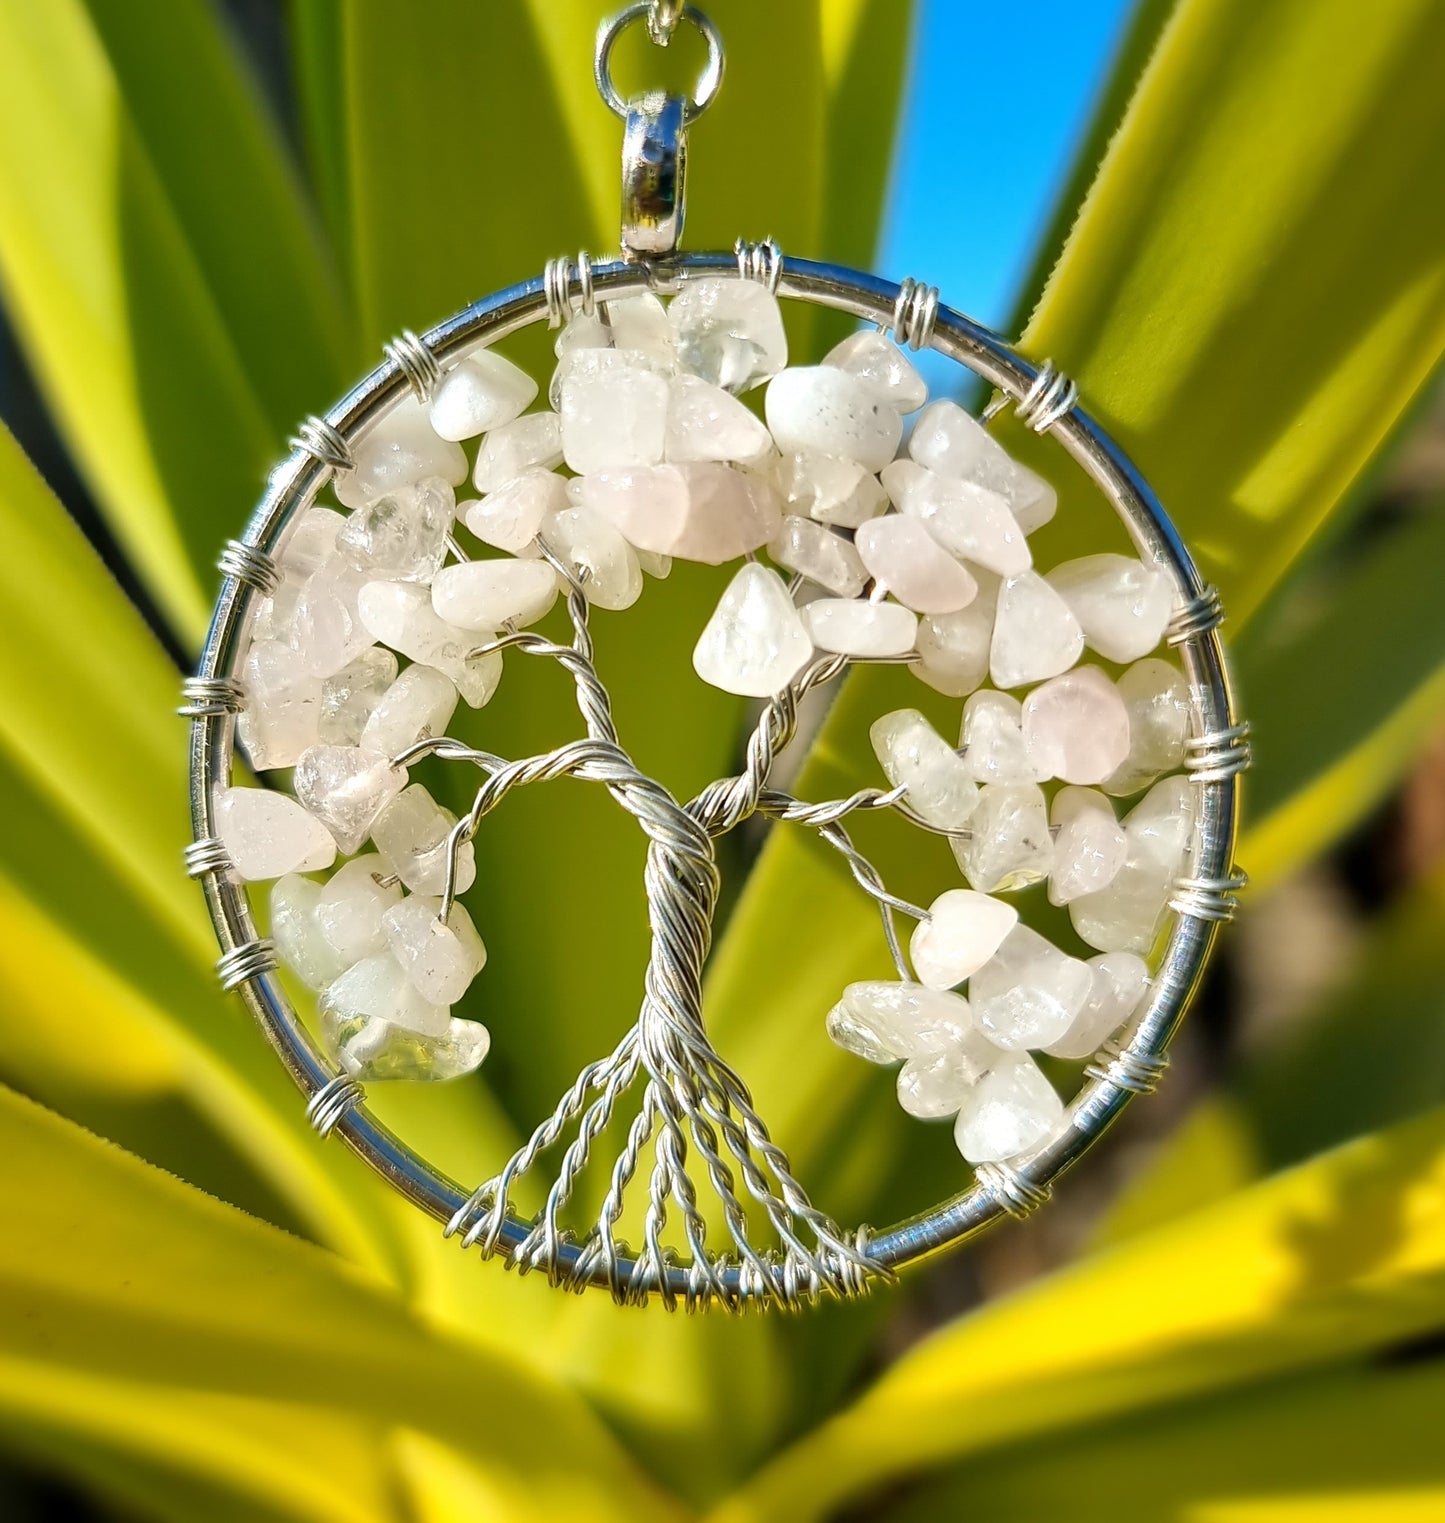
(296, 934)
(1029, 993)
(531, 442)
(399, 451)
(934, 1085)
(481, 392)
(876, 359)
(951, 442)
(400, 536)
(349, 698)
(634, 323)
(953, 647)
(441, 958)
(326, 629)
(1119, 983)
(915, 756)
(511, 517)
(963, 930)
(1076, 727)
(853, 628)
(1035, 634)
(902, 555)
(267, 834)
(826, 411)
(351, 905)
(485, 595)
(815, 552)
(755, 643)
(1011, 1111)
(728, 332)
(346, 788)
(1122, 605)
(282, 716)
(826, 487)
(400, 614)
(1156, 698)
(992, 740)
(882, 1021)
(968, 520)
(417, 706)
(411, 837)
(596, 555)
(1007, 844)
(311, 543)
(1089, 844)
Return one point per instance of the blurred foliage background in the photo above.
(210, 219)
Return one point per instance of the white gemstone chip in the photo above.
(417, 706)
(1035, 634)
(728, 332)
(707, 422)
(283, 705)
(852, 628)
(312, 542)
(531, 442)
(482, 392)
(1076, 727)
(351, 905)
(819, 408)
(1122, 605)
(1157, 699)
(992, 740)
(267, 835)
(885, 1021)
(1119, 982)
(613, 420)
(511, 517)
(374, 1050)
(953, 647)
(1127, 915)
(299, 942)
(815, 552)
(934, 1085)
(1029, 993)
(440, 958)
(901, 553)
(830, 489)
(400, 536)
(1089, 844)
(637, 324)
(703, 511)
(755, 643)
(952, 442)
(876, 359)
(377, 988)
(400, 614)
(346, 788)
(399, 451)
(1012, 1110)
(485, 595)
(915, 756)
(968, 520)
(595, 554)
(410, 836)
(350, 697)
(326, 630)
(963, 930)
(1008, 844)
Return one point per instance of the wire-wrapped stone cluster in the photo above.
(861, 538)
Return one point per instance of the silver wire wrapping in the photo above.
(690, 1106)
(416, 362)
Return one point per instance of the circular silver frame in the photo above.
(1217, 752)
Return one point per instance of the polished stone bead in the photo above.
(915, 756)
(400, 536)
(346, 788)
(268, 834)
(963, 931)
(729, 332)
(1008, 844)
(417, 706)
(968, 520)
(1119, 983)
(706, 422)
(299, 942)
(755, 643)
(1156, 697)
(876, 359)
(828, 411)
(1076, 727)
(1029, 993)
(950, 441)
(614, 420)
(906, 559)
(953, 647)
(411, 837)
(1011, 1111)
(531, 442)
(1089, 844)
(815, 552)
(283, 705)
(1035, 634)
(511, 517)
(486, 595)
(596, 555)
(440, 958)
(351, 905)
(400, 614)
(481, 392)
(853, 628)
(992, 740)
(399, 451)
(703, 511)
(1122, 605)
(349, 699)
(832, 490)
(882, 1021)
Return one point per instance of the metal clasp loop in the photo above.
(661, 20)
(654, 175)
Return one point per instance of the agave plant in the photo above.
(208, 1312)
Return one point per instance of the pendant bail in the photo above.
(654, 175)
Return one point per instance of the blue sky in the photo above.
(974, 182)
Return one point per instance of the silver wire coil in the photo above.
(1219, 755)
(914, 314)
(1051, 396)
(1208, 898)
(329, 1105)
(319, 439)
(762, 262)
(243, 963)
(1196, 617)
(206, 856)
(416, 362)
(211, 695)
(1126, 1068)
(1014, 1194)
(249, 565)
(557, 278)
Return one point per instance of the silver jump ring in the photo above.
(709, 81)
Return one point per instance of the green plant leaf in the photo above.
(115, 1272)
(166, 282)
(1323, 1263)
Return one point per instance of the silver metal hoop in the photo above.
(1130, 1065)
(709, 81)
